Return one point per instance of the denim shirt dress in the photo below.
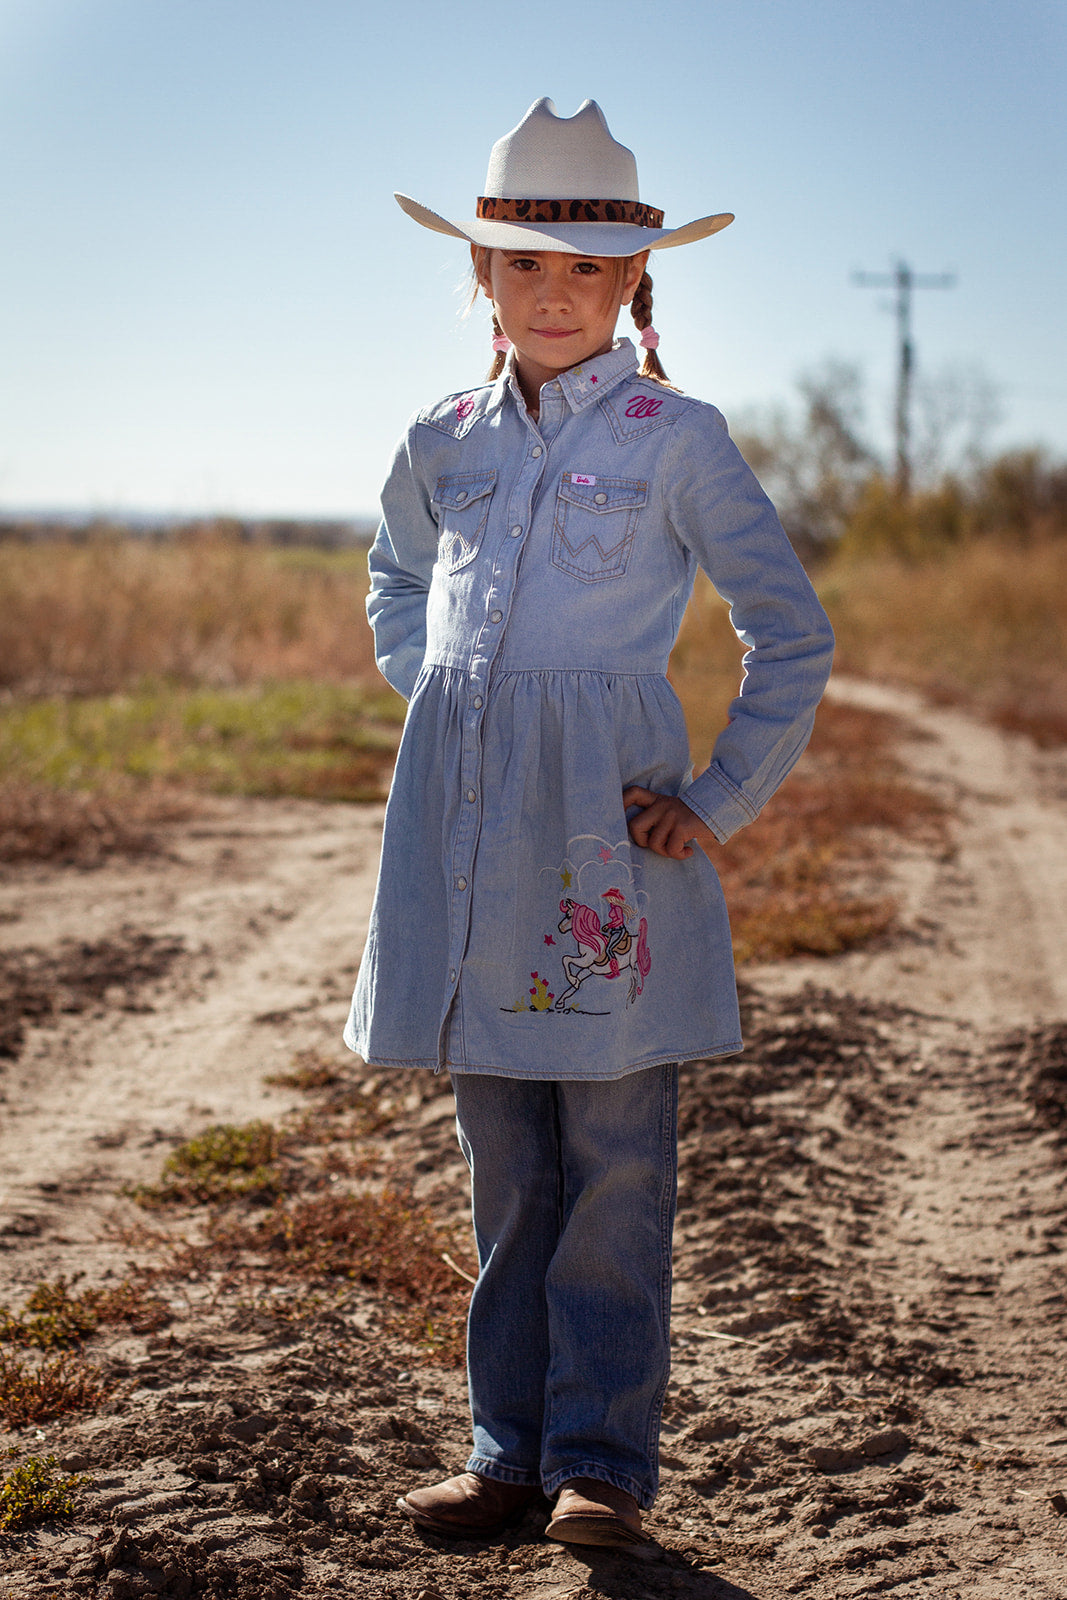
(527, 584)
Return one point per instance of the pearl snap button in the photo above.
(601, 499)
(536, 451)
(477, 702)
(495, 616)
(472, 795)
(515, 532)
(452, 976)
(462, 495)
(461, 883)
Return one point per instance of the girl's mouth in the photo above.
(554, 333)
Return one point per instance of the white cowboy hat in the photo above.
(563, 183)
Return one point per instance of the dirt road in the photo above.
(869, 1392)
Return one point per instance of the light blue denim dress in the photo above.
(527, 585)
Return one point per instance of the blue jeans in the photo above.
(573, 1188)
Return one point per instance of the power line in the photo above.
(904, 280)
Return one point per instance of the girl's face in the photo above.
(556, 309)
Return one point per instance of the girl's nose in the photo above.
(554, 290)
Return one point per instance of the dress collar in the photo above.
(584, 384)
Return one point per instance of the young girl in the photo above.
(543, 926)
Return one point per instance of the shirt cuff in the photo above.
(719, 802)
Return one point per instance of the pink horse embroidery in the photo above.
(600, 956)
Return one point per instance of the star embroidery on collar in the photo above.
(592, 377)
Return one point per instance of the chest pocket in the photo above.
(463, 501)
(595, 526)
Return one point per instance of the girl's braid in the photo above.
(641, 311)
(499, 356)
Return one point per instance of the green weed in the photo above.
(36, 1491)
(315, 740)
(228, 1162)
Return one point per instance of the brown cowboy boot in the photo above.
(469, 1506)
(591, 1512)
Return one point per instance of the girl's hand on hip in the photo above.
(665, 824)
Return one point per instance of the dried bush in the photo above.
(54, 1317)
(37, 1391)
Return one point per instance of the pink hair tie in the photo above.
(502, 343)
(649, 339)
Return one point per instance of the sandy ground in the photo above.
(869, 1391)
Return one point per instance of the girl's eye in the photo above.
(524, 263)
(587, 268)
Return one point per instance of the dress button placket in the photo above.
(486, 650)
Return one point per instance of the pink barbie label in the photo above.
(464, 408)
(643, 405)
(580, 477)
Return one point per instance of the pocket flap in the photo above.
(606, 494)
(457, 491)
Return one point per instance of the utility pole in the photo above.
(904, 280)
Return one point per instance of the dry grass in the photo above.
(790, 877)
(216, 610)
(55, 1317)
(984, 626)
(382, 1239)
(103, 615)
(787, 875)
(75, 828)
(289, 1217)
(35, 1391)
(310, 1070)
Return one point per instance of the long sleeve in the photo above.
(400, 565)
(719, 512)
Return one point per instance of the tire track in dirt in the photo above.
(268, 903)
(988, 921)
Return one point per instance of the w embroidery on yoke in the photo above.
(600, 933)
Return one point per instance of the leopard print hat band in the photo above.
(494, 208)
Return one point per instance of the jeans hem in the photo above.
(485, 1468)
(592, 1469)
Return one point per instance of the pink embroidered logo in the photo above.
(643, 405)
(464, 408)
(581, 477)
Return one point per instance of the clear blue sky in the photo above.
(210, 301)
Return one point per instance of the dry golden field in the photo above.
(137, 674)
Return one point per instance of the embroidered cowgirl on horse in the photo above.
(608, 949)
